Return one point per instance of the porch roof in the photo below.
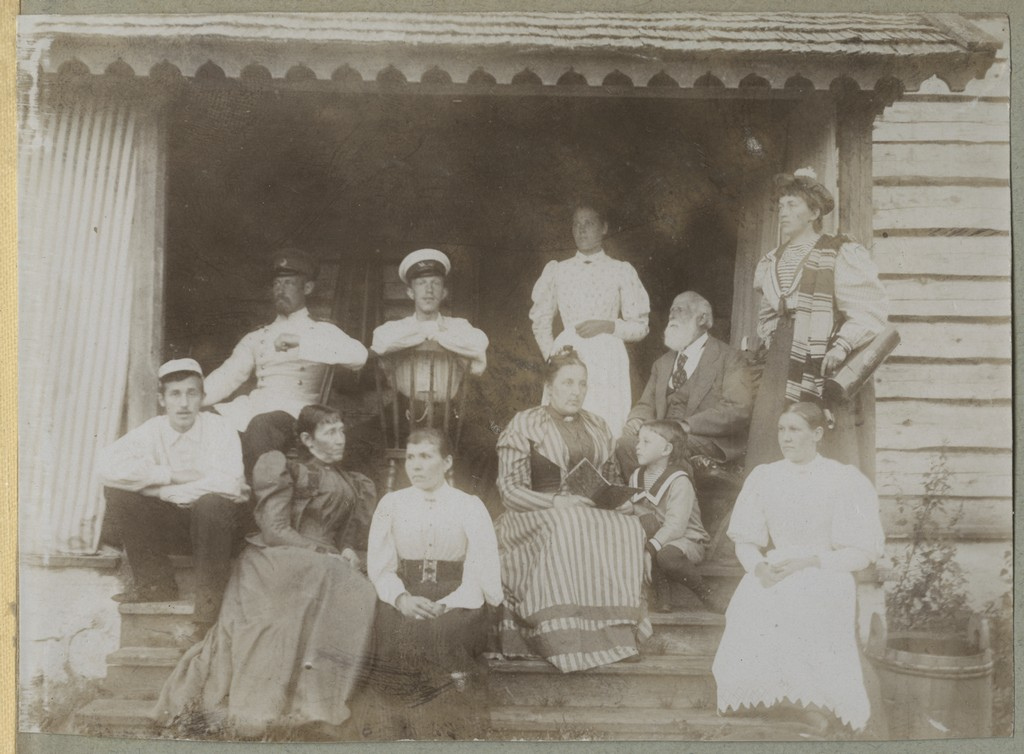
(620, 50)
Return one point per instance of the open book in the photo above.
(586, 480)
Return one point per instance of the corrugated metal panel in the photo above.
(78, 194)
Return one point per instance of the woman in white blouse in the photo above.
(821, 299)
(433, 559)
(802, 526)
(602, 305)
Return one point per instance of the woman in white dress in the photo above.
(802, 526)
(602, 305)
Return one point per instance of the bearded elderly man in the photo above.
(701, 382)
(290, 358)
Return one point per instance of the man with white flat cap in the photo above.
(174, 485)
(425, 274)
(290, 358)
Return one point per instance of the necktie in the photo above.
(678, 378)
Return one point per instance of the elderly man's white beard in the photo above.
(674, 337)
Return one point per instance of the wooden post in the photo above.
(811, 142)
(856, 116)
(148, 239)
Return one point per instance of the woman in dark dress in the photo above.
(572, 573)
(290, 641)
(821, 299)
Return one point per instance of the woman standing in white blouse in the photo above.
(602, 305)
(801, 526)
(821, 299)
(433, 559)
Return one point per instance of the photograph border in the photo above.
(38, 742)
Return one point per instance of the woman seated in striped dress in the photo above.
(573, 573)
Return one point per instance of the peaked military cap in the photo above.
(424, 262)
(293, 261)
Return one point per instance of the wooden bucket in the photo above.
(934, 685)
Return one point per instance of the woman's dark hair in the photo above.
(565, 357)
(595, 205)
(811, 413)
(431, 436)
(672, 432)
(311, 417)
(808, 188)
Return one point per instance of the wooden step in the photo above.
(116, 717)
(184, 574)
(686, 633)
(656, 682)
(157, 624)
(140, 672)
(604, 723)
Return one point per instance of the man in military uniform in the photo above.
(425, 274)
(290, 358)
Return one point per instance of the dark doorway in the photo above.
(362, 179)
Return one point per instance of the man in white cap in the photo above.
(425, 274)
(290, 358)
(174, 484)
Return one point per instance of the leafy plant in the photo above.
(929, 589)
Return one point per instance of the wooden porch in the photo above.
(668, 695)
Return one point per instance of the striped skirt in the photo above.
(573, 586)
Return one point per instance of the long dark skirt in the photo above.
(851, 441)
(415, 658)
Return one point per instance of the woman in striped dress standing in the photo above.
(572, 573)
(821, 299)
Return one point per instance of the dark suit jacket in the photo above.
(721, 396)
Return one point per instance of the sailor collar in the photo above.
(658, 489)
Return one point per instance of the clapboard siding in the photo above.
(931, 297)
(941, 169)
(954, 340)
(942, 207)
(946, 381)
(911, 424)
(972, 473)
(943, 255)
(980, 519)
(989, 161)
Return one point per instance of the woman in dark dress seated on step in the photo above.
(573, 573)
(289, 644)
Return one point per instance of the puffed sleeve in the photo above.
(748, 524)
(856, 523)
(860, 296)
(273, 485)
(481, 570)
(514, 477)
(767, 312)
(636, 306)
(357, 528)
(763, 266)
(382, 553)
(545, 306)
